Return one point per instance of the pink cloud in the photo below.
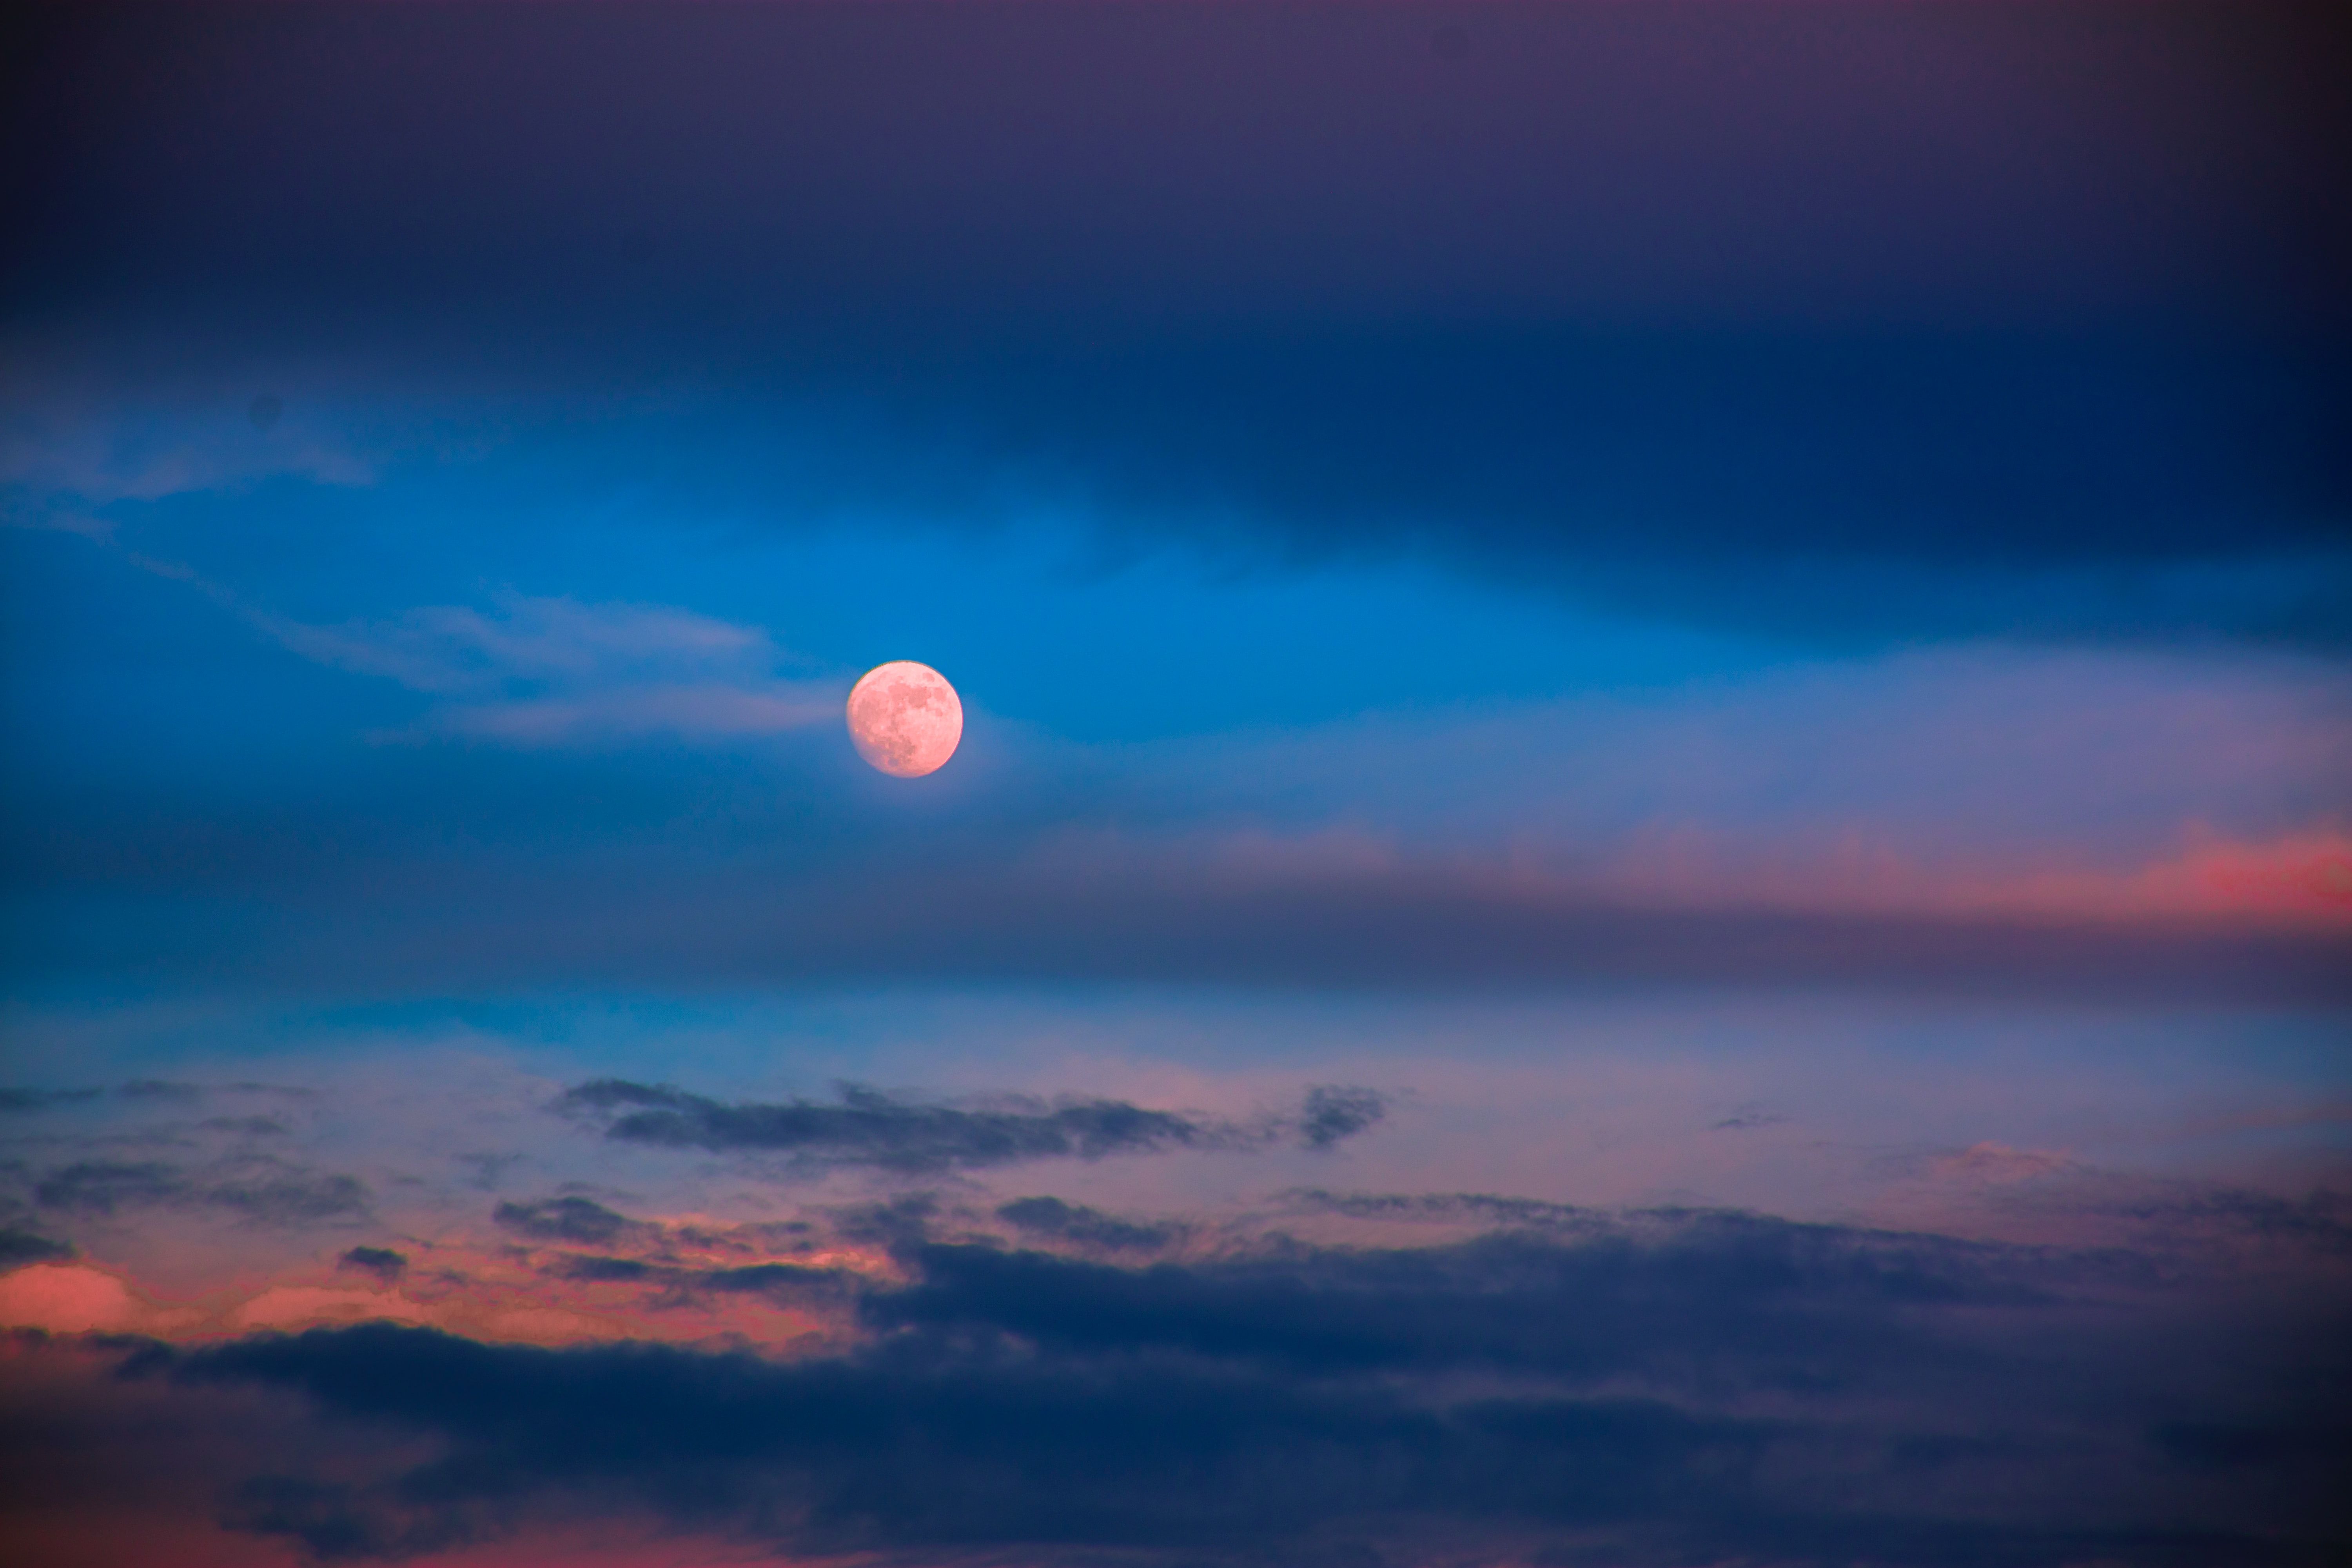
(2299, 880)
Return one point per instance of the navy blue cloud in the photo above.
(718, 172)
(866, 1127)
(1769, 1303)
(1673, 1388)
(1971, 320)
(574, 1219)
(19, 1245)
(381, 1262)
(1076, 1223)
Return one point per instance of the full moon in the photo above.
(905, 718)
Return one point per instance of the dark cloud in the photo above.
(1777, 162)
(2319, 1218)
(42, 1098)
(576, 1219)
(381, 1262)
(19, 1247)
(788, 1281)
(101, 1186)
(604, 1270)
(1840, 327)
(1669, 1388)
(1480, 1208)
(901, 1223)
(1075, 1223)
(1771, 1299)
(333, 1522)
(1334, 1112)
(866, 1127)
(290, 1197)
(784, 1282)
(259, 1189)
(1840, 489)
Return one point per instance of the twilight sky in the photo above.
(1652, 864)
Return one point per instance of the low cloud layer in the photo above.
(1658, 1388)
(866, 1127)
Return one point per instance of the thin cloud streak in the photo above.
(539, 672)
(865, 1127)
(553, 671)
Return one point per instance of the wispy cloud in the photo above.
(551, 671)
(258, 1188)
(64, 460)
(865, 1127)
(460, 651)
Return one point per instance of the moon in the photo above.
(905, 718)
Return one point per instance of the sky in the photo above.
(1651, 865)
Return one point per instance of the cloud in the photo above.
(1052, 1219)
(2201, 1216)
(72, 1298)
(60, 456)
(606, 1270)
(102, 1186)
(534, 672)
(785, 1281)
(381, 1262)
(42, 1098)
(2098, 822)
(553, 671)
(574, 1219)
(1481, 1208)
(1679, 340)
(1332, 1113)
(2301, 880)
(458, 649)
(1240, 911)
(866, 1127)
(260, 1189)
(20, 1246)
(1644, 1294)
(1653, 1388)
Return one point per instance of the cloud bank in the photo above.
(1654, 1388)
